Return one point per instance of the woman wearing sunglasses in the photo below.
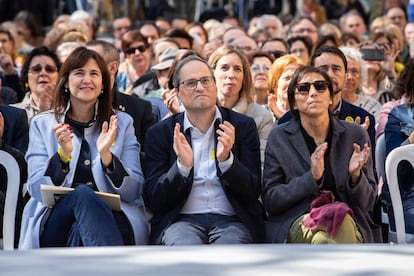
(39, 77)
(137, 65)
(317, 171)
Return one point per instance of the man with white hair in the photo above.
(271, 23)
(83, 17)
(352, 22)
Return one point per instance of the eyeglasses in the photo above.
(120, 28)
(353, 72)
(191, 84)
(304, 30)
(320, 86)
(131, 51)
(384, 45)
(257, 69)
(38, 68)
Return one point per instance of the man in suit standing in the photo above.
(203, 168)
(139, 109)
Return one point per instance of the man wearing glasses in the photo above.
(203, 168)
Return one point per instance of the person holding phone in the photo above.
(380, 76)
(327, 189)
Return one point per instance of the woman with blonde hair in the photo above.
(235, 88)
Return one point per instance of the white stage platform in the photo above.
(266, 259)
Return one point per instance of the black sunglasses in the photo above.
(131, 51)
(320, 86)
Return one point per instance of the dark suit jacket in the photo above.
(139, 109)
(348, 112)
(289, 187)
(16, 127)
(166, 190)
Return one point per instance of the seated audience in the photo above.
(235, 88)
(84, 144)
(203, 167)
(39, 76)
(319, 183)
(398, 132)
(280, 75)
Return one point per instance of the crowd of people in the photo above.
(210, 132)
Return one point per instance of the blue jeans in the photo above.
(190, 229)
(81, 219)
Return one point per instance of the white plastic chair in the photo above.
(405, 152)
(380, 167)
(10, 205)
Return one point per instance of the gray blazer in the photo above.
(289, 187)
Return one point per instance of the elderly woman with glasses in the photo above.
(39, 76)
(260, 63)
(319, 184)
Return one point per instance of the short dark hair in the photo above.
(175, 32)
(41, 51)
(304, 39)
(299, 74)
(330, 50)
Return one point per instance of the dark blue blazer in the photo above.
(166, 190)
(140, 110)
(348, 112)
(16, 127)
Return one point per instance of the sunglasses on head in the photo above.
(320, 86)
(141, 49)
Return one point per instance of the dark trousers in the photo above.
(81, 219)
(190, 229)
